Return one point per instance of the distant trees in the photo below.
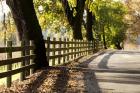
(29, 29)
(109, 22)
(133, 20)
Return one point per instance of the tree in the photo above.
(109, 21)
(50, 15)
(29, 29)
(74, 15)
(89, 21)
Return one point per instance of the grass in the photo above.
(14, 77)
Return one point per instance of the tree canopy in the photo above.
(87, 19)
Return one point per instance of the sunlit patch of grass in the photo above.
(14, 77)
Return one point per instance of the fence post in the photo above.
(82, 47)
(64, 52)
(86, 47)
(84, 53)
(92, 47)
(31, 53)
(59, 52)
(27, 60)
(68, 50)
(48, 49)
(53, 60)
(9, 67)
(72, 49)
(22, 74)
(75, 44)
(79, 48)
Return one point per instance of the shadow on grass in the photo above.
(32, 87)
(89, 78)
(61, 85)
(61, 82)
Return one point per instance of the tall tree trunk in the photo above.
(29, 29)
(75, 20)
(90, 20)
(104, 40)
(77, 33)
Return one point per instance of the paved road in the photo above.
(123, 81)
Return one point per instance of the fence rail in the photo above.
(58, 52)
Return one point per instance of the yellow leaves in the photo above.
(74, 12)
(42, 19)
(72, 3)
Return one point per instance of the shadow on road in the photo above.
(103, 63)
(88, 61)
(127, 52)
(91, 82)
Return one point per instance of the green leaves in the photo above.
(52, 17)
(72, 3)
(109, 15)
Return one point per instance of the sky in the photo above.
(3, 9)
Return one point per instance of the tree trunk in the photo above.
(104, 40)
(29, 29)
(75, 20)
(117, 44)
(90, 19)
(77, 33)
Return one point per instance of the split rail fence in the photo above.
(58, 52)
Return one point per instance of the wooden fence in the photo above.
(58, 52)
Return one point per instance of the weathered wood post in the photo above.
(53, 54)
(82, 47)
(27, 60)
(32, 53)
(88, 47)
(92, 46)
(85, 47)
(79, 48)
(9, 67)
(22, 74)
(72, 49)
(64, 51)
(68, 49)
(75, 49)
(48, 49)
(59, 52)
